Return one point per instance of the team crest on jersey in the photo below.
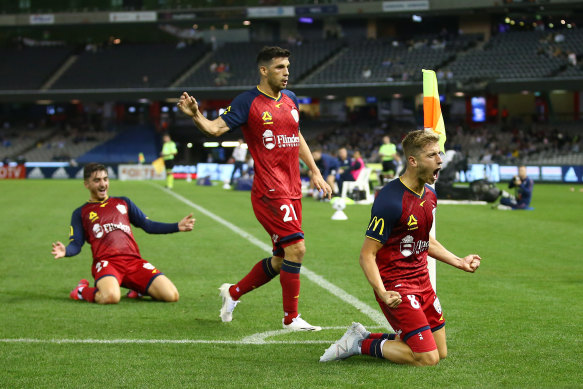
(268, 139)
(407, 245)
(122, 209)
(97, 231)
(295, 114)
(93, 216)
(267, 117)
(275, 238)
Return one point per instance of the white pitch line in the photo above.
(373, 314)
(160, 341)
(255, 339)
(259, 338)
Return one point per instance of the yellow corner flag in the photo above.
(159, 165)
(432, 117)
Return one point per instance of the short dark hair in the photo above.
(92, 167)
(267, 53)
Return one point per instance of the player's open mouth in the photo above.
(436, 173)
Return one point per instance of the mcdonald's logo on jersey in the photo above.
(376, 222)
(412, 223)
(267, 117)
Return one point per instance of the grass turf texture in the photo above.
(516, 322)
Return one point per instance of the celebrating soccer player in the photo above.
(104, 222)
(394, 260)
(269, 117)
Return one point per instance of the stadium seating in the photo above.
(389, 60)
(16, 141)
(514, 55)
(65, 148)
(30, 67)
(130, 66)
(242, 68)
(126, 146)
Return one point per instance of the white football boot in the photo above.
(228, 303)
(347, 346)
(299, 324)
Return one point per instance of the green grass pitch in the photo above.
(517, 322)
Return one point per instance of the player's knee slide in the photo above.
(428, 359)
(442, 354)
(173, 297)
(108, 299)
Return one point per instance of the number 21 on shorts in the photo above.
(290, 212)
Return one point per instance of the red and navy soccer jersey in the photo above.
(271, 129)
(106, 227)
(401, 220)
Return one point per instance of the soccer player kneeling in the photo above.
(104, 222)
(394, 260)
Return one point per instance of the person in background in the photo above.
(239, 155)
(168, 153)
(389, 155)
(328, 165)
(523, 186)
(352, 173)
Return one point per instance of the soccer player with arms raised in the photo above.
(394, 260)
(104, 222)
(269, 118)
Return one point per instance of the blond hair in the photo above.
(415, 141)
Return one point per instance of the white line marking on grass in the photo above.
(160, 341)
(260, 337)
(373, 314)
(255, 339)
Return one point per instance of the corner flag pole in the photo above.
(432, 121)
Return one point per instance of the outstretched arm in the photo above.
(58, 250)
(369, 266)
(187, 223)
(189, 106)
(139, 219)
(316, 177)
(469, 263)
